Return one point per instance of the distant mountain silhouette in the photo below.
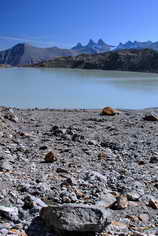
(138, 45)
(25, 54)
(92, 47)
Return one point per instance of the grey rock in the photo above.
(133, 196)
(10, 213)
(92, 142)
(154, 158)
(33, 202)
(107, 202)
(151, 117)
(75, 217)
(5, 165)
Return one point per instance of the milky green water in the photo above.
(67, 88)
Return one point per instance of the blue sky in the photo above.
(63, 23)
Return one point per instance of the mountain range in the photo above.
(25, 54)
(138, 45)
(93, 47)
(22, 54)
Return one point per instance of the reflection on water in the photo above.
(67, 88)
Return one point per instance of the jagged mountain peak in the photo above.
(92, 47)
(91, 43)
(101, 42)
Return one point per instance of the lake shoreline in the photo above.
(92, 158)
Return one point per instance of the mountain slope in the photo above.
(22, 54)
(143, 60)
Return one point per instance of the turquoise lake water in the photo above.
(71, 88)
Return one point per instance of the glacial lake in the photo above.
(72, 88)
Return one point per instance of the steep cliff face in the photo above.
(22, 54)
(145, 60)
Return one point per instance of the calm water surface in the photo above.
(66, 88)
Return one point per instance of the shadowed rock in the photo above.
(74, 218)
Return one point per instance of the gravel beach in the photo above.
(81, 161)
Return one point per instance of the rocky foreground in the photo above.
(76, 172)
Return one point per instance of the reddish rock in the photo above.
(109, 111)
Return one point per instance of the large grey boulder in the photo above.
(75, 217)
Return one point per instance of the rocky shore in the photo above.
(77, 172)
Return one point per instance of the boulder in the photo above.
(151, 117)
(75, 218)
(109, 111)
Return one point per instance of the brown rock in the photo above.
(109, 111)
(153, 203)
(121, 203)
(102, 156)
(133, 218)
(50, 157)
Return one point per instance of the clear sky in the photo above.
(63, 23)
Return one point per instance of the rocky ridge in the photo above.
(102, 168)
(143, 60)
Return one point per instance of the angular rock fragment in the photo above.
(153, 203)
(75, 218)
(50, 157)
(133, 196)
(10, 115)
(102, 156)
(154, 158)
(121, 203)
(10, 213)
(151, 117)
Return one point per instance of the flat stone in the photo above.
(144, 218)
(133, 196)
(107, 202)
(10, 213)
(117, 227)
(75, 217)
